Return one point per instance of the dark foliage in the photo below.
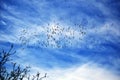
(16, 72)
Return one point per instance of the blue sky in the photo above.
(64, 36)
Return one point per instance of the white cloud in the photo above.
(95, 36)
(36, 34)
(108, 28)
(84, 72)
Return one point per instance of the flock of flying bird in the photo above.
(52, 36)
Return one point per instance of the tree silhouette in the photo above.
(16, 72)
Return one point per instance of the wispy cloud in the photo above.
(87, 71)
